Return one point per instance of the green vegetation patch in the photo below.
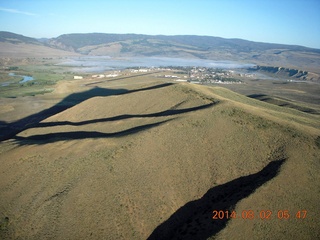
(44, 77)
(27, 89)
(11, 86)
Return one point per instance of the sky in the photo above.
(295, 22)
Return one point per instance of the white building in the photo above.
(112, 75)
(181, 80)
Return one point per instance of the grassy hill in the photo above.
(190, 46)
(184, 46)
(16, 38)
(140, 158)
(200, 42)
(18, 46)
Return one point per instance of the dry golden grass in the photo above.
(135, 154)
(23, 50)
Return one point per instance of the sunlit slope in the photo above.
(121, 165)
(25, 50)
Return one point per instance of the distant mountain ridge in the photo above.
(180, 46)
(18, 46)
(78, 41)
(16, 38)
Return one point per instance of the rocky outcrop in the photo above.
(286, 72)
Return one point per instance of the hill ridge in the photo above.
(177, 46)
(154, 159)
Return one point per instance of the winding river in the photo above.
(25, 78)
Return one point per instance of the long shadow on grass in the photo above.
(9, 130)
(282, 103)
(195, 219)
(62, 136)
(169, 112)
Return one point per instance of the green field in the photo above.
(45, 75)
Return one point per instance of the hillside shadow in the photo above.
(282, 103)
(166, 113)
(195, 219)
(10, 130)
(62, 136)
(261, 97)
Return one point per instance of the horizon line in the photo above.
(166, 35)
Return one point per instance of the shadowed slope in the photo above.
(283, 103)
(194, 220)
(9, 130)
(113, 170)
(61, 136)
(166, 113)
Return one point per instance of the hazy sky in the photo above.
(277, 21)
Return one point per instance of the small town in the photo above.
(194, 75)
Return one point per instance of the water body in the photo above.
(25, 78)
(101, 64)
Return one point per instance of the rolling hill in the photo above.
(145, 157)
(203, 47)
(141, 158)
(16, 38)
(18, 46)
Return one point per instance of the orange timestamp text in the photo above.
(261, 214)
